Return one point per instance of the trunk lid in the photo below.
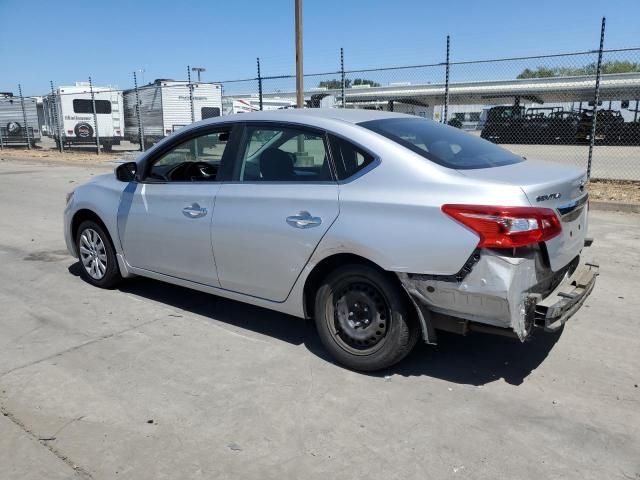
(549, 185)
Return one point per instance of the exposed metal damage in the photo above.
(502, 292)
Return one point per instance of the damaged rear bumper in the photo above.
(553, 311)
(501, 293)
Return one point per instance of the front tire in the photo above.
(362, 318)
(98, 263)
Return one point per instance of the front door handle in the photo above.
(303, 220)
(194, 211)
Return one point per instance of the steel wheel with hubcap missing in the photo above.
(362, 318)
(97, 255)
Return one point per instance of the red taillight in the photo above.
(70, 132)
(507, 227)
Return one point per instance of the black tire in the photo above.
(111, 276)
(363, 319)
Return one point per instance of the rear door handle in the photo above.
(194, 211)
(303, 220)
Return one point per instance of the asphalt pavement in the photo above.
(153, 381)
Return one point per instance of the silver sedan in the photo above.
(384, 228)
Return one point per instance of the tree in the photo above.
(336, 84)
(614, 66)
(364, 81)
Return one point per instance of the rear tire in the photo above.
(362, 318)
(98, 263)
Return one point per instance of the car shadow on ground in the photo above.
(476, 359)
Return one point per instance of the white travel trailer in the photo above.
(251, 103)
(165, 106)
(74, 108)
(13, 130)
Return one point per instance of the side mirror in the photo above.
(126, 172)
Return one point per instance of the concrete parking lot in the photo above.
(154, 381)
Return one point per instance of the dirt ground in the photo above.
(84, 155)
(622, 191)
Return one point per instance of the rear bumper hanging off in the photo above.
(554, 310)
(510, 295)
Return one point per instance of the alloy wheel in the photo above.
(93, 254)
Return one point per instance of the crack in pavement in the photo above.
(79, 471)
(79, 346)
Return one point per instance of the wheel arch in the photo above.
(330, 263)
(86, 214)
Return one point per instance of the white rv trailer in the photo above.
(251, 103)
(75, 115)
(12, 125)
(165, 106)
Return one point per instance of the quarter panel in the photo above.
(392, 216)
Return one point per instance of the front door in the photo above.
(165, 223)
(270, 219)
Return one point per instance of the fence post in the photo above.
(596, 99)
(259, 84)
(24, 117)
(344, 101)
(140, 126)
(193, 116)
(56, 121)
(95, 116)
(446, 87)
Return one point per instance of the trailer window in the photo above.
(209, 112)
(86, 106)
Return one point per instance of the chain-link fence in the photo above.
(580, 108)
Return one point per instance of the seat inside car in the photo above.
(276, 165)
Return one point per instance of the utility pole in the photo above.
(299, 69)
(198, 70)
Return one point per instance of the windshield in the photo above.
(444, 145)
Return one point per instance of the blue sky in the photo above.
(66, 41)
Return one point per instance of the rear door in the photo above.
(269, 220)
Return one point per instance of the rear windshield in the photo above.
(444, 145)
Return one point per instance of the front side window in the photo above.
(444, 145)
(86, 106)
(195, 160)
(283, 155)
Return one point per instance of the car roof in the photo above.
(309, 115)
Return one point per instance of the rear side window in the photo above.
(348, 158)
(86, 106)
(444, 145)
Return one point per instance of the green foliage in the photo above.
(364, 81)
(615, 66)
(336, 84)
